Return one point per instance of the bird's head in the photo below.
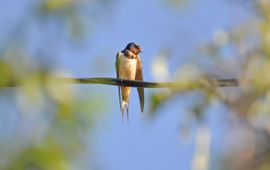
(134, 48)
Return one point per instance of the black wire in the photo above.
(145, 84)
(132, 83)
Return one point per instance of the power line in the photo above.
(145, 84)
(134, 83)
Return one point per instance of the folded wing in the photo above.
(139, 76)
(117, 76)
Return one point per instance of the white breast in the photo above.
(127, 67)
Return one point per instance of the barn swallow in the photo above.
(129, 67)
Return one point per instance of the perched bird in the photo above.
(129, 67)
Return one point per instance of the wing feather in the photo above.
(117, 76)
(139, 76)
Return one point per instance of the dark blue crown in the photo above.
(131, 45)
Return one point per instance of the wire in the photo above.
(134, 83)
(145, 84)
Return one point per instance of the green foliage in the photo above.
(53, 118)
(67, 116)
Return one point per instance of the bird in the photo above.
(129, 67)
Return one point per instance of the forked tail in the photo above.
(124, 105)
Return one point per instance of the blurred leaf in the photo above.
(54, 5)
(158, 98)
(45, 156)
(6, 73)
(177, 3)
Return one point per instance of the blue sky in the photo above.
(142, 143)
